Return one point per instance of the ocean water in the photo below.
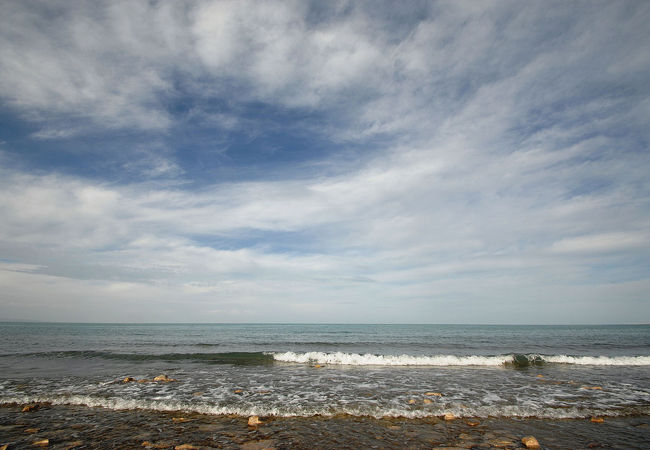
(409, 371)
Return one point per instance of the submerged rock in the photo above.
(28, 408)
(186, 447)
(530, 442)
(254, 421)
(41, 443)
(473, 423)
(412, 401)
(164, 378)
(437, 394)
(597, 419)
(31, 430)
(128, 380)
(180, 419)
(426, 401)
(449, 416)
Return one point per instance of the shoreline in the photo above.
(74, 426)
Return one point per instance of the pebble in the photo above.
(164, 378)
(254, 421)
(530, 442)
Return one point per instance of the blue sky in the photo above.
(427, 162)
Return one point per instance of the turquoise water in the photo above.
(301, 369)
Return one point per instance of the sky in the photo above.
(337, 162)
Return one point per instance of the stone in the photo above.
(163, 378)
(74, 444)
(597, 419)
(239, 391)
(473, 423)
(449, 416)
(412, 401)
(264, 444)
(595, 388)
(186, 447)
(31, 430)
(437, 394)
(128, 380)
(180, 419)
(317, 366)
(253, 421)
(161, 444)
(197, 394)
(41, 443)
(143, 380)
(28, 408)
(530, 442)
(426, 401)
(540, 376)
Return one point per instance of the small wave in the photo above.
(600, 360)
(516, 360)
(235, 358)
(355, 359)
(503, 411)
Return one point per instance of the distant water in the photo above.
(411, 371)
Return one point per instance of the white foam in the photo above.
(355, 359)
(518, 411)
(600, 360)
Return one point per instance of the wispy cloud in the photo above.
(282, 161)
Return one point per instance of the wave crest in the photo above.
(517, 360)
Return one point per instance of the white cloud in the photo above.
(504, 159)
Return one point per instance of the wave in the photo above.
(516, 360)
(289, 410)
(235, 358)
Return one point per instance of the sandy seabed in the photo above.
(63, 427)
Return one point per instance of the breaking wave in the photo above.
(516, 360)
(288, 410)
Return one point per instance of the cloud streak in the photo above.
(295, 162)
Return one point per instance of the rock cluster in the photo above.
(164, 378)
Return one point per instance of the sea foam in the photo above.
(356, 359)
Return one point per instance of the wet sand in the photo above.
(83, 427)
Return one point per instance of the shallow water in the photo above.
(312, 372)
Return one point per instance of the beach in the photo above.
(85, 427)
(323, 386)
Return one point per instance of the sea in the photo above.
(405, 372)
